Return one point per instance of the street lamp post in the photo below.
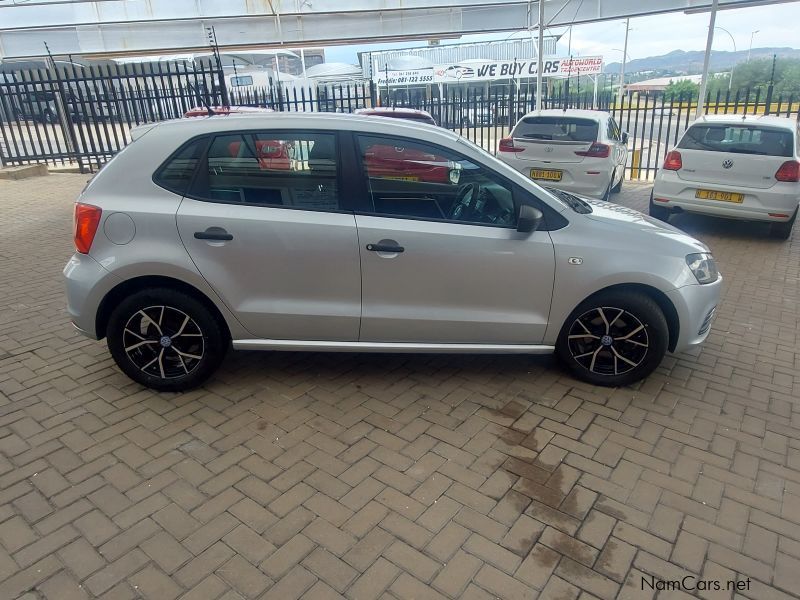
(624, 57)
(733, 66)
(752, 33)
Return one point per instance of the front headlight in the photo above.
(703, 266)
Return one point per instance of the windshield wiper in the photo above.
(575, 203)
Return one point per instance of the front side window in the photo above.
(176, 174)
(420, 181)
(557, 129)
(613, 130)
(273, 169)
(739, 139)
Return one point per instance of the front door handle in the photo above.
(213, 233)
(385, 248)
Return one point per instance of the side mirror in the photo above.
(529, 218)
(624, 137)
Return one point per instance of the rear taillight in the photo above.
(87, 218)
(789, 171)
(507, 145)
(673, 161)
(596, 150)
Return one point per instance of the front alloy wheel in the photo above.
(614, 338)
(165, 339)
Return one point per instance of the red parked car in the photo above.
(202, 111)
(418, 116)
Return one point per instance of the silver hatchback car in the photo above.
(325, 232)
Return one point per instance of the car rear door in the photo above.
(438, 274)
(740, 155)
(268, 227)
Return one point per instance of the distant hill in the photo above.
(681, 62)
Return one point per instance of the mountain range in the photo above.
(679, 62)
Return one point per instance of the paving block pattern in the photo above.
(381, 476)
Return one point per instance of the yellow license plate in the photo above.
(400, 177)
(723, 196)
(546, 174)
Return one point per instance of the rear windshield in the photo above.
(557, 129)
(741, 139)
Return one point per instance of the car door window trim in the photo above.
(202, 171)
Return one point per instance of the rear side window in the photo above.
(557, 129)
(176, 174)
(297, 170)
(739, 139)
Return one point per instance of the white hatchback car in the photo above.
(740, 167)
(578, 151)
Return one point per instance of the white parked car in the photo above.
(579, 151)
(741, 167)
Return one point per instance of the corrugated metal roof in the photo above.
(334, 72)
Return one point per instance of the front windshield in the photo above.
(557, 197)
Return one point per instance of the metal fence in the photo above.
(84, 115)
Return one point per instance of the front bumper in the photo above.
(696, 307)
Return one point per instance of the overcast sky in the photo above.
(777, 26)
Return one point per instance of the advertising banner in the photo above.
(492, 70)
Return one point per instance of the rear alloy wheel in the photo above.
(614, 338)
(783, 231)
(165, 340)
(661, 213)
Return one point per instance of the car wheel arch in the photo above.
(131, 286)
(659, 297)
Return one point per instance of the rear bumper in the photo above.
(87, 283)
(575, 178)
(774, 204)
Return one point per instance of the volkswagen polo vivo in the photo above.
(184, 248)
(734, 166)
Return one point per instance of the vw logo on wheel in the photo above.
(548, 148)
(727, 164)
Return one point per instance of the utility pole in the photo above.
(624, 58)
(709, 41)
(539, 59)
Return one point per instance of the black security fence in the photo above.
(84, 115)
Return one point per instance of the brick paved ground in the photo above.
(315, 475)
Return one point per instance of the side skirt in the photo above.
(325, 346)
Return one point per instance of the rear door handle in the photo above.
(213, 233)
(384, 248)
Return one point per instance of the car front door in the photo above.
(441, 259)
(267, 227)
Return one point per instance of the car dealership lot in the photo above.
(465, 476)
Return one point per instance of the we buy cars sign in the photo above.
(515, 69)
(491, 70)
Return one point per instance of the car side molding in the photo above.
(329, 346)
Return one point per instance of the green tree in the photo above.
(684, 88)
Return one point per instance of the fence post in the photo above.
(64, 119)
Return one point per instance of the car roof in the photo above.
(768, 120)
(302, 120)
(596, 115)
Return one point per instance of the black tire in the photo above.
(618, 188)
(783, 231)
(607, 195)
(624, 357)
(48, 116)
(157, 363)
(661, 213)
